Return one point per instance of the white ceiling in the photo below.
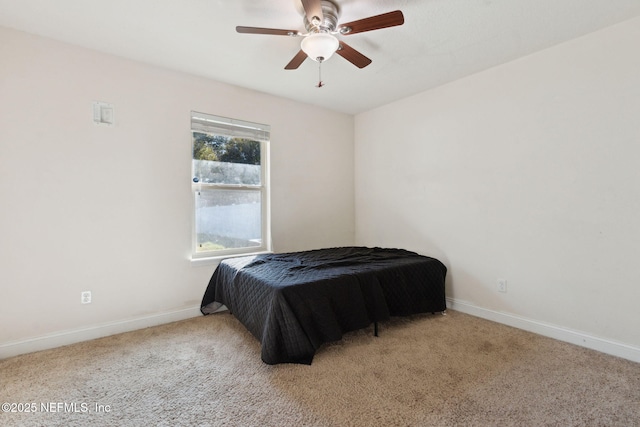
(441, 40)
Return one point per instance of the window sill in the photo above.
(215, 260)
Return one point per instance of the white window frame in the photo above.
(217, 125)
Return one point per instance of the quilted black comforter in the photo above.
(294, 302)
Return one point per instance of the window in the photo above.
(230, 186)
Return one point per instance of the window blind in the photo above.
(234, 128)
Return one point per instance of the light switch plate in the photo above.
(103, 113)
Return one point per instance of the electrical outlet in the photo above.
(85, 297)
(502, 285)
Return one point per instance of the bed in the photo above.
(294, 302)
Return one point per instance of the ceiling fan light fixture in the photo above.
(319, 46)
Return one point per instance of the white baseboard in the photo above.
(557, 332)
(59, 339)
(553, 331)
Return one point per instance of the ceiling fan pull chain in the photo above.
(320, 82)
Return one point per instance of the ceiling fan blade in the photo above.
(296, 61)
(271, 31)
(313, 8)
(390, 19)
(352, 55)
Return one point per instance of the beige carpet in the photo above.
(431, 370)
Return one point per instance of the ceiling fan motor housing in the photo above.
(329, 22)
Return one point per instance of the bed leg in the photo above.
(375, 328)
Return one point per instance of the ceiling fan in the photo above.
(321, 24)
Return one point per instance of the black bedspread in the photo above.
(294, 302)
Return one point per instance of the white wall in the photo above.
(529, 172)
(87, 207)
